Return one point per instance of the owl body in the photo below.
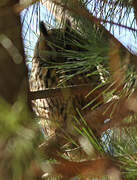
(55, 112)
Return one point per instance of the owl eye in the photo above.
(43, 29)
(67, 28)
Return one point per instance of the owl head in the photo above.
(54, 44)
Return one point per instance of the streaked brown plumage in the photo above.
(58, 111)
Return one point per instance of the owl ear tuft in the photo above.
(67, 26)
(43, 29)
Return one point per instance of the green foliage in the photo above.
(124, 146)
(18, 139)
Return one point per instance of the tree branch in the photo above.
(13, 70)
(70, 91)
(74, 7)
(135, 8)
(115, 110)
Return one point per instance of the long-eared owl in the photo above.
(56, 111)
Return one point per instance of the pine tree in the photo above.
(106, 143)
(113, 68)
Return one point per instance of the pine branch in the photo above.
(117, 24)
(74, 7)
(68, 91)
(135, 8)
(117, 72)
(116, 110)
(100, 167)
(18, 7)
